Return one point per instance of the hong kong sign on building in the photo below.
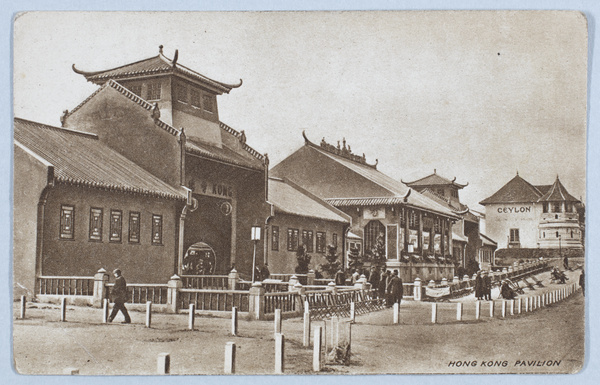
(211, 188)
(514, 210)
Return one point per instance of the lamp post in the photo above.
(255, 237)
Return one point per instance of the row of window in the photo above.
(193, 96)
(557, 207)
(152, 90)
(308, 240)
(67, 225)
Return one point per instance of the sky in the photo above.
(474, 95)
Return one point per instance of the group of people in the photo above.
(558, 275)
(483, 286)
(389, 285)
(261, 272)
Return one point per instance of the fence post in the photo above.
(310, 278)
(519, 305)
(417, 289)
(332, 288)
(306, 335)
(234, 322)
(277, 321)
(174, 285)
(491, 309)
(23, 306)
(229, 366)
(306, 306)
(256, 303)
(317, 348)
(232, 279)
(279, 353)
(527, 304)
(163, 364)
(293, 280)
(459, 311)
(503, 308)
(477, 310)
(192, 316)
(396, 311)
(63, 309)
(148, 314)
(434, 312)
(512, 307)
(105, 310)
(100, 290)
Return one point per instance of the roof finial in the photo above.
(517, 172)
(160, 49)
(175, 57)
(435, 171)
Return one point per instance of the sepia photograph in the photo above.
(299, 192)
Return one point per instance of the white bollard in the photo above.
(279, 353)
(229, 367)
(306, 335)
(306, 307)
(511, 307)
(149, 314)
(459, 311)
(105, 310)
(434, 312)
(163, 363)
(277, 321)
(234, 322)
(63, 309)
(491, 309)
(23, 306)
(192, 316)
(352, 312)
(477, 310)
(317, 349)
(519, 305)
(503, 308)
(396, 315)
(527, 304)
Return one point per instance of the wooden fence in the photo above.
(54, 285)
(209, 282)
(287, 302)
(140, 293)
(214, 300)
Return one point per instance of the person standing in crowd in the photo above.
(383, 283)
(395, 288)
(119, 297)
(355, 276)
(487, 286)
(340, 278)
(264, 272)
(374, 279)
(582, 282)
(566, 262)
(479, 286)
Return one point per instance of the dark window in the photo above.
(67, 220)
(557, 235)
(440, 191)
(136, 90)
(334, 239)
(571, 233)
(413, 220)
(373, 230)
(321, 240)
(545, 207)
(181, 92)
(557, 207)
(275, 238)
(156, 229)
(195, 98)
(514, 235)
(292, 240)
(308, 240)
(116, 225)
(134, 227)
(207, 101)
(95, 224)
(153, 91)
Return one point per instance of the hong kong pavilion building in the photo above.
(159, 119)
(416, 231)
(523, 215)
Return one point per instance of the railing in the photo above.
(54, 285)
(302, 278)
(215, 300)
(284, 301)
(275, 287)
(243, 285)
(323, 281)
(327, 304)
(209, 282)
(139, 293)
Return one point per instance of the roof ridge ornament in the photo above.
(160, 49)
(175, 57)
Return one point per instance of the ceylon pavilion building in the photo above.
(522, 215)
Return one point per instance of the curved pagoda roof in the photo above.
(435, 180)
(518, 190)
(156, 65)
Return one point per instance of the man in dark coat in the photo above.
(383, 283)
(395, 288)
(264, 272)
(119, 297)
(374, 279)
(487, 286)
(340, 278)
(479, 286)
(582, 282)
(566, 263)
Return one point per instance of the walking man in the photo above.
(119, 297)
(395, 288)
(487, 284)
